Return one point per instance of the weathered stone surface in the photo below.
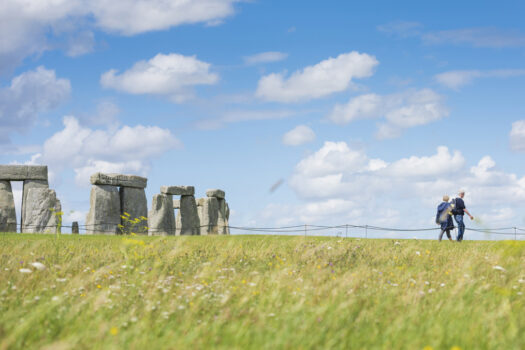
(176, 204)
(208, 209)
(119, 180)
(134, 206)
(227, 211)
(29, 184)
(161, 216)
(7, 208)
(53, 224)
(216, 193)
(189, 217)
(104, 210)
(39, 216)
(178, 190)
(222, 221)
(74, 228)
(23, 172)
(178, 223)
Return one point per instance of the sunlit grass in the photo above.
(259, 292)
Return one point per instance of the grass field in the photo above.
(253, 292)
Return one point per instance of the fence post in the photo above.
(305, 230)
(514, 233)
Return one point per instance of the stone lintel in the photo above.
(178, 190)
(23, 172)
(119, 180)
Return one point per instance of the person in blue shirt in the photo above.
(444, 218)
(459, 210)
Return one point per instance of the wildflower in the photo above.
(55, 298)
(25, 270)
(455, 347)
(442, 284)
(99, 286)
(497, 267)
(397, 243)
(428, 347)
(61, 280)
(418, 253)
(113, 331)
(38, 265)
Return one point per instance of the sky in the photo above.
(319, 113)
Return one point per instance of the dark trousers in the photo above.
(461, 226)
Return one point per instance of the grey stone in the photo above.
(23, 172)
(7, 208)
(41, 206)
(176, 204)
(119, 180)
(54, 224)
(74, 228)
(161, 216)
(178, 190)
(104, 210)
(208, 209)
(134, 207)
(223, 222)
(29, 184)
(216, 193)
(189, 217)
(227, 211)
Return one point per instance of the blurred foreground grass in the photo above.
(252, 292)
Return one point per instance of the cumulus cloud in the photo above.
(517, 136)
(400, 111)
(265, 57)
(338, 184)
(124, 150)
(299, 135)
(458, 78)
(31, 24)
(171, 75)
(28, 95)
(322, 79)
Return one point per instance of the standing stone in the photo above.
(133, 202)
(104, 210)
(161, 216)
(56, 216)
(39, 210)
(74, 228)
(7, 208)
(189, 217)
(29, 184)
(222, 221)
(208, 209)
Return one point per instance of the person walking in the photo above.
(444, 218)
(459, 209)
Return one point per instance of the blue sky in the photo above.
(367, 112)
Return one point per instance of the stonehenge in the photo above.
(203, 216)
(118, 204)
(39, 203)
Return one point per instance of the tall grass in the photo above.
(253, 292)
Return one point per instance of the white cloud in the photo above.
(171, 75)
(325, 78)
(265, 57)
(238, 116)
(299, 135)
(482, 37)
(34, 25)
(517, 136)
(30, 94)
(338, 185)
(125, 150)
(400, 111)
(457, 79)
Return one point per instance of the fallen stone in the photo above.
(134, 207)
(104, 210)
(178, 190)
(208, 209)
(161, 216)
(29, 184)
(189, 217)
(216, 193)
(119, 180)
(7, 208)
(41, 206)
(23, 172)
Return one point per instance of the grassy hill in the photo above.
(252, 292)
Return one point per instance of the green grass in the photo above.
(253, 292)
